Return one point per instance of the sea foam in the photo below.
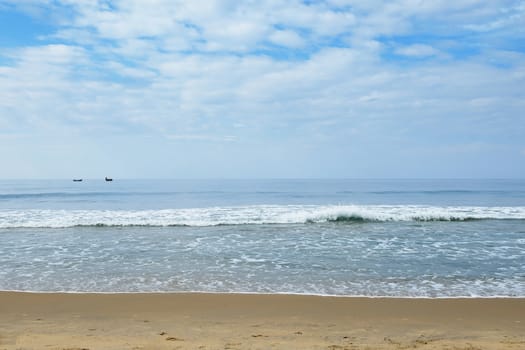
(253, 215)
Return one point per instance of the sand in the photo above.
(233, 321)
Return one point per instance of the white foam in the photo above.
(257, 214)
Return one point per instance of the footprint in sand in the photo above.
(174, 339)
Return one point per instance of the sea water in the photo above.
(398, 238)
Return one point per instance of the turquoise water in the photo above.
(408, 238)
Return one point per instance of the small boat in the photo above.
(77, 180)
(108, 179)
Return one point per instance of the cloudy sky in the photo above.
(258, 89)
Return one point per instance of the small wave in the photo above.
(60, 195)
(433, 192)
(40, 195)
(361, 219)
(33, 195)
(253, 215)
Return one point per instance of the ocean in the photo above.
(377, 238)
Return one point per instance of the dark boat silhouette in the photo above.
(77, 180)
(108, 179)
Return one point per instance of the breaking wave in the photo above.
(253, 215)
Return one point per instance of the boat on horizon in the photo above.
(77, 180)
(108, 179)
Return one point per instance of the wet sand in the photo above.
(239, 321)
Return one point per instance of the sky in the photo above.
(262, 89)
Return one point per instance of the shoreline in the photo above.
(400, 297)
(243, 321)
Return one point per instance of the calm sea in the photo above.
(406, 238)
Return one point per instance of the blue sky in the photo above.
(251, 89)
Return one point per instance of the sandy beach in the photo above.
(238, 321)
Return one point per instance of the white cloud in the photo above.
(52, 55)
(512, 17)
(287, 38)
(197, 94)
(417, 50)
